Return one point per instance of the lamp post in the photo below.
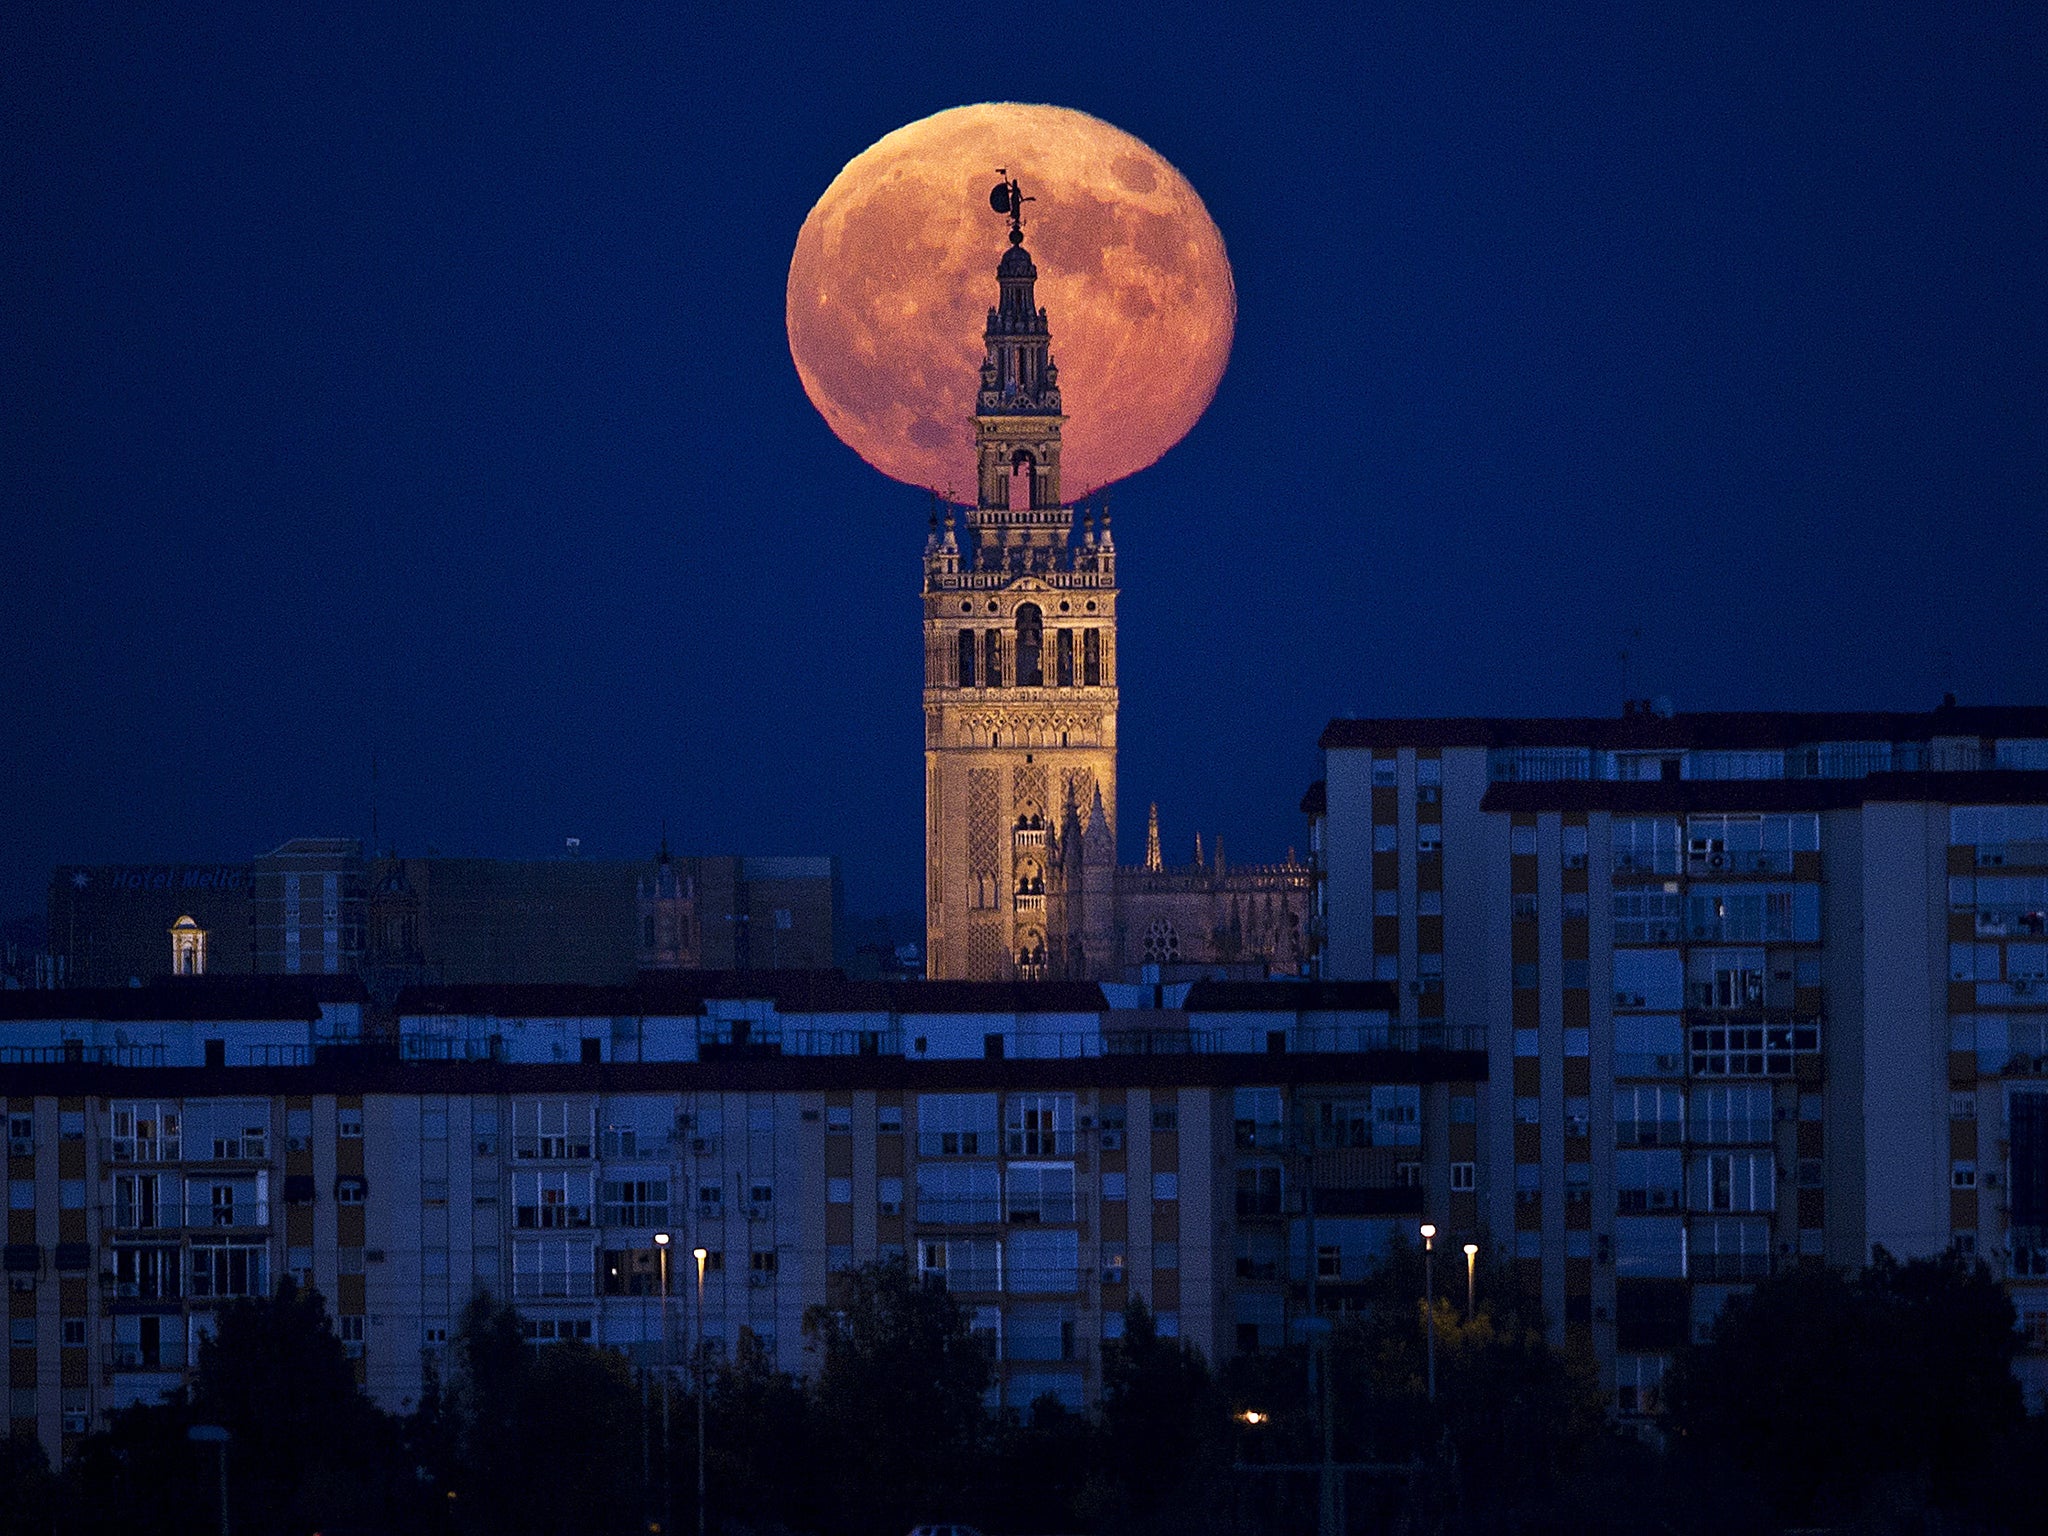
(214, 1435)
(1471, 1264)
(668, 1479)
(1429, 1299)
(700, 1255)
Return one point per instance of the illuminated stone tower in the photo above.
(1019, 681)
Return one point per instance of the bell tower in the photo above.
(1020, 676)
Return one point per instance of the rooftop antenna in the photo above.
(1007, 197)
(1633, 634)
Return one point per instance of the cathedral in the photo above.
(1020, 699)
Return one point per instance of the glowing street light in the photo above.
(1253, 1416)
(700, 1255)
(1471, 1263)
(1429, 1299)
(668, 1478)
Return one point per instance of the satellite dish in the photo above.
(999, 198)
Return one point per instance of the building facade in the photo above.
(1758, 990)
(1043, 1151)
(318, 906)
(1020, 706)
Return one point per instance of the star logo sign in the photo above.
(81, 880)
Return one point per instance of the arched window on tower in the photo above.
(966, 658)
(1022, 466)
(1091, 658)
(993, 656)
(1030, 643)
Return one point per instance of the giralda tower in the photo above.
(1019, 680)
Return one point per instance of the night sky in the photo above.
(411, 382)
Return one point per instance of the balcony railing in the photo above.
(77, 1054)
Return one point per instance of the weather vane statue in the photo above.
(1007, 197)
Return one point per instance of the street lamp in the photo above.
(700, 1255)
(1429, 1299)
(668, 1480)
(1471, 1261)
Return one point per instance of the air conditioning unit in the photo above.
(2022, 986)
(700, 1143)
(1112, 1274)
(891, 1207)
(757, 1280)
(1087, 1122)
(758, 1212)
(1112, 1141)
(21, 1146)
(296, 1143)
(487, 1146)
(77, 1423)
(710, 1208)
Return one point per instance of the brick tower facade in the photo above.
(1020, 680)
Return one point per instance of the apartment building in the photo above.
(1757, 989)
(1044, 1150)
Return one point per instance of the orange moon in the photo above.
(895, 270)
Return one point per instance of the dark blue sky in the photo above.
(416, 384)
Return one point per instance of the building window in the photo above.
(1962, 1174)
(639, 1202)
(1165, 1118)
(1039, 1191)
(1091, 658)
(839, 1191)
(1463, 1178)
(956, 1124)
(1030, 643)
(958, 1192)
(966, 658)
(1039, 1125)
(348, 1122)
(1113, 1186)
(839, 1117)
(992, 658)
(1165, 1186)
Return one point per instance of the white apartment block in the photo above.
(1757, 989)
(1044, 1150)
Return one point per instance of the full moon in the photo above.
(894, 273)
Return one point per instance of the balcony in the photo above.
(1029, 836)
(1029, 901)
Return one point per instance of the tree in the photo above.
(898, 1398)
(762, 1446)
(1166, 1446)
(31, 1497)
(546, 1440)
(1512, 1417)
(1836, 1394)
(307, 1449)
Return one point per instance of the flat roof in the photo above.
(179, 999)
(1732, 731)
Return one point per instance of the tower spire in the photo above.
(1153, 862)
